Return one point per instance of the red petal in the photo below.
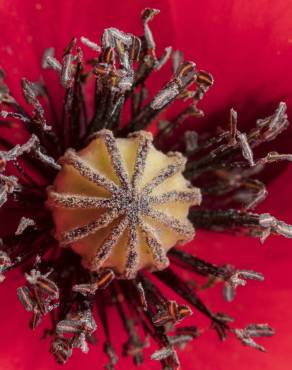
(247, 46)
(258, 302)
(279, 202)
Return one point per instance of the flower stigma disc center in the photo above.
(122, 204)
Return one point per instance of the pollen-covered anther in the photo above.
(122, 204)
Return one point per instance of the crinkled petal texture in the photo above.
(247, 45)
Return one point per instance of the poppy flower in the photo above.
(247, 47)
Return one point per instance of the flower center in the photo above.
(122, 204)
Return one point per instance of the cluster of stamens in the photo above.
(102, 186)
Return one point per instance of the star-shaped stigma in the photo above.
(120, 203)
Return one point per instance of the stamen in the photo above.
(90, 44)
(24, 223)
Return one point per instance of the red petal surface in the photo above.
(247, 45)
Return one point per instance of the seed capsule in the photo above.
(121, 204)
